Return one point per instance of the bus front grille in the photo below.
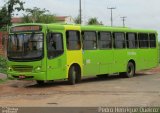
(23, 68)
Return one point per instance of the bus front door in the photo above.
(56, 61)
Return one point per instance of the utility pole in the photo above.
(80, 11)
(111, 8)
(124, 19)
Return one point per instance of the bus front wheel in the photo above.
(130, 72)
(74, 75)
(40, 82)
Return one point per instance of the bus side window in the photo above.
(119, 40)
(73, 40)
(131, 39)
(143, 40)
(152, 40)
(55, 45)
(89, 40)
(104, 40)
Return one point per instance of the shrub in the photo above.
(3, 65)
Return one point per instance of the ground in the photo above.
(141, 90)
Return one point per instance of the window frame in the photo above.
(27, 60)
(111, 36)
(114, 44)
(62, 37)
(82, 35)
(136, 41)
(79, 41)
(152, 40)
(143, 40)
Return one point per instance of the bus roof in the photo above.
(61, 26)
(119, 29)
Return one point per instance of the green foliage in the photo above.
(3, 18)
(94, 21)
(37, 15)
(26, 19)
(159, 51)
(77, 19)
(3, 65)
(6, 12)
(47, 18)
(2, 81)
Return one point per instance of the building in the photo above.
(65, 19)
(16, 20)
(59, 19)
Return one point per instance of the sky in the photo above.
(139, 13)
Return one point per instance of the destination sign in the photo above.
(26, 28)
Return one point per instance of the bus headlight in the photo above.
(38, 68)
(10, 69)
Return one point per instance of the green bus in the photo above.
(47, 52)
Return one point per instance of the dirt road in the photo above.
(141, 90)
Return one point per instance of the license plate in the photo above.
(22, 77)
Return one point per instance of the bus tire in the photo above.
(130, 72)
(72, 75)
(78, 74)
(40, 82)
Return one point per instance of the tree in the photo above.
(7, 10)
(13, 5)
(3, 18)
(37, 15)
(94, 21)
(77, 19)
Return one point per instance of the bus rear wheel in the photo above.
(130, 72)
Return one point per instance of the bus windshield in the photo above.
(25, 46)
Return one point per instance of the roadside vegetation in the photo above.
(7, 12)
(3, 68)
(91, 21)
(159, 52)
(3, 65)
(94, 21)
(3, 80)
(37, 15)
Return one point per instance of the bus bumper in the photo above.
(27, 75)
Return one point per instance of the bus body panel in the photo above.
(119, 60)
(106, 61)
(56, 68)
(91, 62)
(147, 59)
